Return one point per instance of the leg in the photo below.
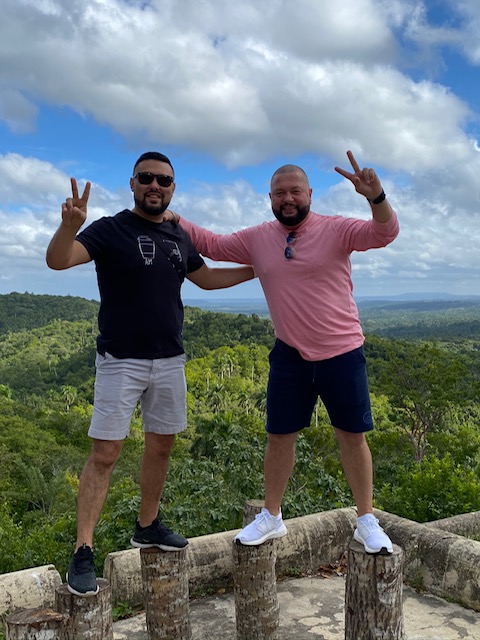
(149, 530)
(164, 415)
(344, 390)
(118, 385)
(153, 473)
(93, 487)
(291, 397)
(278, 467)
(290, 401)
(357, 465)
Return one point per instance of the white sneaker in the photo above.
(264, 527)
(372, 536)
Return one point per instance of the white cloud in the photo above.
(470, 42)
(438, 237)
(459, 30)
(242, 82)
(31, 193)
(16, 111)
(30, 180)
(245, 82)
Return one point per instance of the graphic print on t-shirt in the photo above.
(147, 248)
(174, 255)
(171, 249)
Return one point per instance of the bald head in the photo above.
(289, 168)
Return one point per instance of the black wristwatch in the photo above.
(379, 198)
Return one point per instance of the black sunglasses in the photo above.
(290, 249)
(145, 177)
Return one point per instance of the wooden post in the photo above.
(251, 509)
(255, 591)
(30, 624)
(373, 595)
(86, 617)
(165, 589)
(255, 584)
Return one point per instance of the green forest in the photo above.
(424, 371)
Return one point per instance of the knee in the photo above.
(158, 446)
(281, 441)
(105, 454)
(351, 440)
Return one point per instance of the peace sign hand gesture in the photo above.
(365, 181)
(74, 209)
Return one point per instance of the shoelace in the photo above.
(158, 526)
(163, 528)
(261, 518)
(372, 524)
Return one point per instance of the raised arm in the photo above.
(64, 251)
(231, 247)
(207, 278)
(367, 183)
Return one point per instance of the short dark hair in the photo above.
(152, 155)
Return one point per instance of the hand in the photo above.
(365, 181)
(74, 209)
(169, 216)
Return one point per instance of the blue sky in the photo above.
(230, 91)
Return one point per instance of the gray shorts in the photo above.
(159, 385)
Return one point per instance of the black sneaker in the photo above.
(157, 535)
(81, 579)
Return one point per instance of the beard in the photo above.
(151, 209)
(291, 221)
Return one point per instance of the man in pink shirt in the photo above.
(303, 262)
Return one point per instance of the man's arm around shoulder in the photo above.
(232, 247)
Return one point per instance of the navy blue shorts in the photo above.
(294, 384)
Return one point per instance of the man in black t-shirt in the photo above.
(141, 265)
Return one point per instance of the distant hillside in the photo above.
(445, 318)
(49, 341)
(431, 319)
(247, 306)
(29, 311)
(423, 319)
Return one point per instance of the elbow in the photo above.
(202, 284)
(54, 264)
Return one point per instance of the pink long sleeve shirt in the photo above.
(310, 298)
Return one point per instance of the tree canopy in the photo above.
(425, 445)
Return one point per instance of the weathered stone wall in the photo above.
(438, 559)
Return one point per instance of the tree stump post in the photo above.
(31, 624)
(374, 595)
(255, 591)
(255, 585)
(86, 618)
(165, 589)
(251, 509)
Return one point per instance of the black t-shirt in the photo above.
(140, 269)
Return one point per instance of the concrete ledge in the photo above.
(312, 540)
(466, 524)
(442, 563)
(29, 588)
(436, 559)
